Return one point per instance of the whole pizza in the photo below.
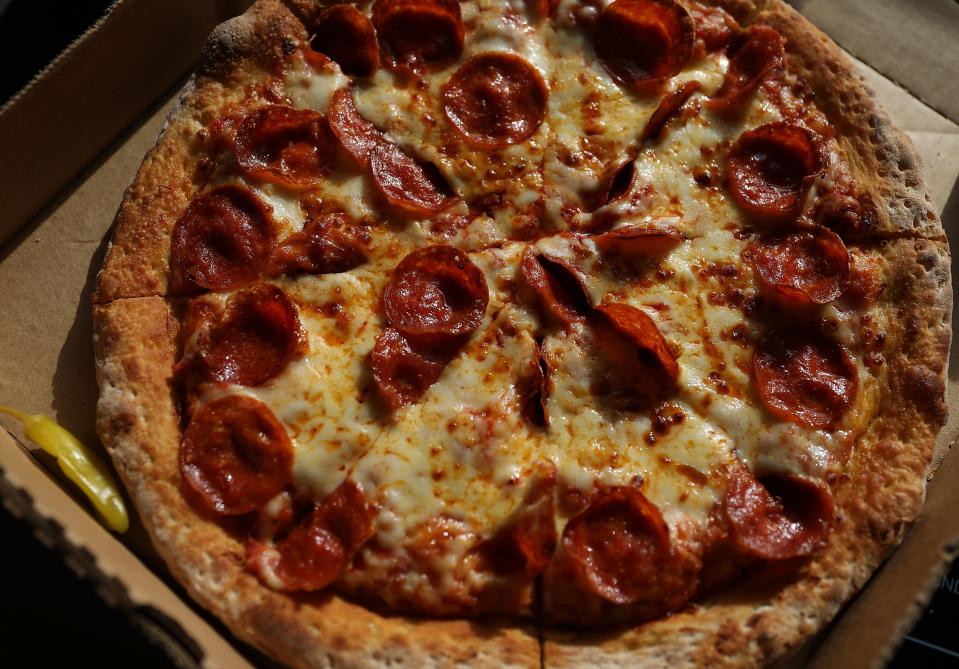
(524, 332)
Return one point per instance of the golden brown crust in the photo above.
(751, 623)
(884, 485)
(919, 298)
(138, 421)
(136, 416)
(885, 164)
(245, 49)
(880, 496)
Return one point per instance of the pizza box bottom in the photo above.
(48, 264)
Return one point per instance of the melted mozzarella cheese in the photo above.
(452, 467)
(462, 450)
(310, 88)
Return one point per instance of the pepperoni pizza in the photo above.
(524, 332)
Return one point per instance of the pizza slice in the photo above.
(524, 332)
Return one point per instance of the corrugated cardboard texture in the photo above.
(46, 279)
(911, 42)
(46, 276)
(94, 90)
(122, 578)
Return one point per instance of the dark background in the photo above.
(49, 616)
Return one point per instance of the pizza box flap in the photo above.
(93, 91)
(47, 270)
(912, 43)
(63, 522)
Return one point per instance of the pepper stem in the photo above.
(15, 413)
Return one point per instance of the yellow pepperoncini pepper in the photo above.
(79, 463)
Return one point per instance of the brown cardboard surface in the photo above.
(95, 89)
(912, 42)
(47, 270)
(46, 274)
(122, 578)
(870, 630)
(935, 136)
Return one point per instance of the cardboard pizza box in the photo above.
(62, 176)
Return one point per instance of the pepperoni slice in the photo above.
(641, 43)
(804, 377)
(780, 517)
(559, 289)
(715, 28)
(527, 540)
(759, 51)
(495, 100)
(220, 134)
(345, 35)
(258, 337)
(236, 455)
(403, 181)
(200, 316)
(190, 372)
(618, 184)
(638, 240)
(838, 212)
(325, 246)
(420, 34)
(534, 389)
(288, 146)
(621, 546)
(319, 548)
(357, 135)
(543, 9)
(865, 282)
(667, 109)
(771, 167)
(436, 296)
(221, 241)
(406, 184)
(644, 342)
(809, 266)
(401, 374)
